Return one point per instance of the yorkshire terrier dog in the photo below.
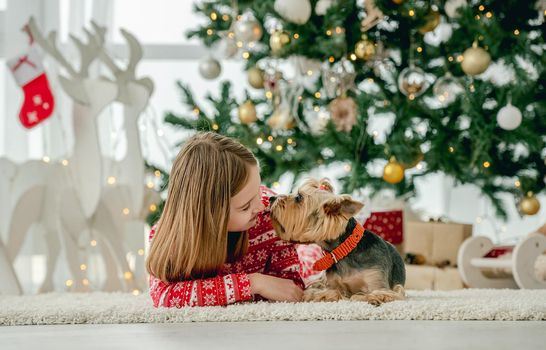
(359, 264)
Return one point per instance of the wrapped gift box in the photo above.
(389, 225)
(422, 277)
(438, 242)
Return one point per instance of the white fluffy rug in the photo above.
(469, 304)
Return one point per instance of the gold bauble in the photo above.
(475, 60)
(393, 172)
(365, 49)
(432, 21)
(529, 205)
(256, 78)
(278, 40)
(247, 113)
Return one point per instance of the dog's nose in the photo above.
(272, 199)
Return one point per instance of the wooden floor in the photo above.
(331, 335)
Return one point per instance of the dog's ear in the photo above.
(325, 185)
(342, 205)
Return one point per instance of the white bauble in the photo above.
(247, 30)
(210, 68)
(295, 11)
(451, 7)
(509, 117)
(322, 6)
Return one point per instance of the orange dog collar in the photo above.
(341, 251)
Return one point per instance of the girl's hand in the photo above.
(275, 288)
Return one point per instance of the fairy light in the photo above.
(309, 72)
(347, 167)
(136, 292)
(411, 13)
(270, 138)
(231, 35)
(352, 57)
(85, 282)
(215, 126)
(300, 98)
(450, 58)
(157, 173)
(213, 16)
(316, 108)
(141, 252)
(196, 111)
(296, 36)
(269, 95)
(477, 17)
(127, 275)
(46, 159)
(152, 208)
(339, 30)
(111, 180)
(246, 55)
(209, 31)
(451, 149)
(83, 267)
(251, 45)
(125, 211)
(516, 32)
(276, 184)
(93, 243)
(328, 32)
(489, 14)
(225, 18)
(419, 166)
(486, 164)
(239, 44)
(64, 162)
(331, 59)
(289, 141)
(460, 58)
(375, 133)
(259, 141)
(278, 148)
(317, 94)
(69, 283)
(150, 184)
(517, 183)
(411, 97)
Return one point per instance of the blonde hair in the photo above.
(191, 238)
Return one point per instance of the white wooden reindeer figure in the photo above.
(120, 209)
(69, 190)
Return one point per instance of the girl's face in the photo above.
(246, 204)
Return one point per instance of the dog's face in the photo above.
(314, 214)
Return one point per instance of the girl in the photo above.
(214, 244)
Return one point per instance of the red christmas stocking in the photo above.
(29, 73)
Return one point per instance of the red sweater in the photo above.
(266, 254)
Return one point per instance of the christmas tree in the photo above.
(457, 85)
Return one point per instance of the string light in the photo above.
(64, 162)
(225, 17)
(231, 35)
(278, 148)
(83, 267)
(317, 94)
(259, 141)
(289, 141)
(209, 31)
(419, 166)
(419, 49)
(157, 173)
(309, 72)
(136, 292)
(517, 183)
(486, 164)
(127, 275)
(516, 32)
(152, 208)
(481, 7)
(85, 282)
(196, 111)
(488, 14)
(125, 211)
(450, 58)
(451, 149)
(347, 167)
(339, 30)
(213, 16)
(93, 243)
(352, 57)
(411, 97)
(270, 138)
(111, 180)
(269, 95)
(46, 159)
(331, 59)
(69, 283)
(411, 13)
(239, 44)
(328, 32)
(316, 108)
(460, 58)
(215, 126)
(150, 184)
(296, 35)
(246, 55)
(141, 252)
